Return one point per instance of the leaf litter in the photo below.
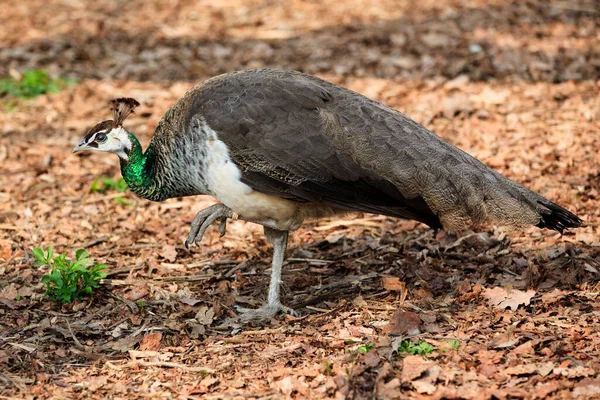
(519, 87)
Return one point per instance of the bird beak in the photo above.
(80, 146)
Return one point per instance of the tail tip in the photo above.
(558, 218)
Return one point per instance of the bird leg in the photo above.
(205, 218)
(278, 238)
(279, 241)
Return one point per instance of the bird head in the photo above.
(110, 136)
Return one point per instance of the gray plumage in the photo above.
(302, 138)
(279, 147)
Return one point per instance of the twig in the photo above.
(452, 338)
(166, 364)
(94, 242)
(125, 269)
(309, 260)
(321, 310)
(77, 342)
(508, 271)
(262, 332)
(132, 306)
(188, 278)
(411, 305)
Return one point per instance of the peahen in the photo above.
(279, 147)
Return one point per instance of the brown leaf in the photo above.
(424, 387)
(504, 340)
(205, 315)
(189, 301)
(576, 372)
(5, 249)
(553, 296)
(512, 299)
(521, 369)
(169, 252)
(588, 388)
(404, 323)
(393, 284)
(137, 291)
(414, 367)
(526, 348)
(151, 341)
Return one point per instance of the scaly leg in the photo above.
(278, 238)
(205, 218)
(279, 241)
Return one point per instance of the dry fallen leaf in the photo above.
(404, 323)
(205, 315)
(151, 341)
(424, 387)
(393, 284)
(414, 367)
(137, 291)
(512, 299)
(169, 252)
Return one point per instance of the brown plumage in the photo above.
(122, 107)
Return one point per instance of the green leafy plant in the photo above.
(455, 344)
(422, 348)
(328, 367)
(32, 83)
(121, 200)
(365, 348)
(69, 280)
(103, 184)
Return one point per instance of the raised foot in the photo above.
(267, 311)
(205, 218)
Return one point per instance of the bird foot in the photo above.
(205, 218)
(267, 311)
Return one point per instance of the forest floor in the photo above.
(388, 308)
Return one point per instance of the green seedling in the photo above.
(365, 348)
(69, 280)
(103, 184)
(328, 368)
(422, 348)
(32, 83)
(121, 200)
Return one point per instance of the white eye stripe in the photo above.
(100, 139)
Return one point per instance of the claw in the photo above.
(222, 226)
(205, 218)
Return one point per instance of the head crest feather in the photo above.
(122, 107)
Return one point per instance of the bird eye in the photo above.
(101, 137)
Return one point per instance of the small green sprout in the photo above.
(103, 184)
(124, 202)
(365, 348)
(69, 280)
(328, 367)
(32, 83)
(422, 348)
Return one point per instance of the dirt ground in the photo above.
(510, 314)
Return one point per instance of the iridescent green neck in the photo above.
(139, 171)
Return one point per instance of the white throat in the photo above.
(120, 143)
